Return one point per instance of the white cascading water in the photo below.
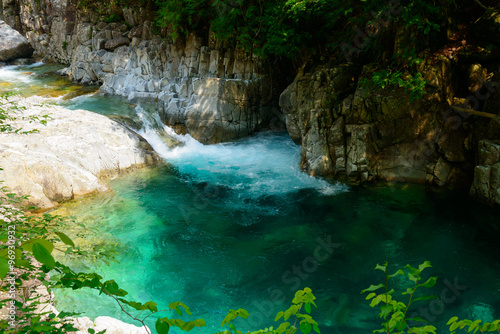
(263, 165)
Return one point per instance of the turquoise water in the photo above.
(238, 225)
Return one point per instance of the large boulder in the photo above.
(70, 157)
(12, 44)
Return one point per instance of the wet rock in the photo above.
(23, 61)
(111, 325)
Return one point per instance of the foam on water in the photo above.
(12, 74)
(266, 164)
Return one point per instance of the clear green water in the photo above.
(237, 225)
(39, 79)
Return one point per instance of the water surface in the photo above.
(238, 225)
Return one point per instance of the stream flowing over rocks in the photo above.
(219, 93)
(70, 156)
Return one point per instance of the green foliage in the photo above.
(419, 14)
(183, 16)
(289, 27)
(8, 109)
(413, 84)
(114, 17)
(65, 45)
(473, 326)
(392, 310)
(303, 299)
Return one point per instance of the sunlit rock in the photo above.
(12, 44)
(69, 157)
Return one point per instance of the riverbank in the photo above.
(55, 154)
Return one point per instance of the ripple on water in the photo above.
(226, 226)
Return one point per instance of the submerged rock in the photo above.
(12, 44)
(69, 157)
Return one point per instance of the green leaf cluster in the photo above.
(473, 326)
(8, 110)
(392, 310)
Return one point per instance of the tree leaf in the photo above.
(429, 283)
(200, 323)
(424, 265)
(305, 327)
(385, 310)
(162, 326)
(43, 256)
(373, 288)
(424, 298)
(64, 238)
(151, 306)
(382, 267)
(399, 272)
(47, 244)
(4, 267)
(188, 326)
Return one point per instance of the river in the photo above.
(237, 224)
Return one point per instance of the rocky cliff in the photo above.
(346, 127)
(212, 92)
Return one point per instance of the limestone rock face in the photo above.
(194, 83)
(70, 156)
(486, 185)
(311, 122)
(348, 128)
(211, 96)
(12, 44)
(114, 43)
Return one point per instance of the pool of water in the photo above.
(238, 225)
(39, 79)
